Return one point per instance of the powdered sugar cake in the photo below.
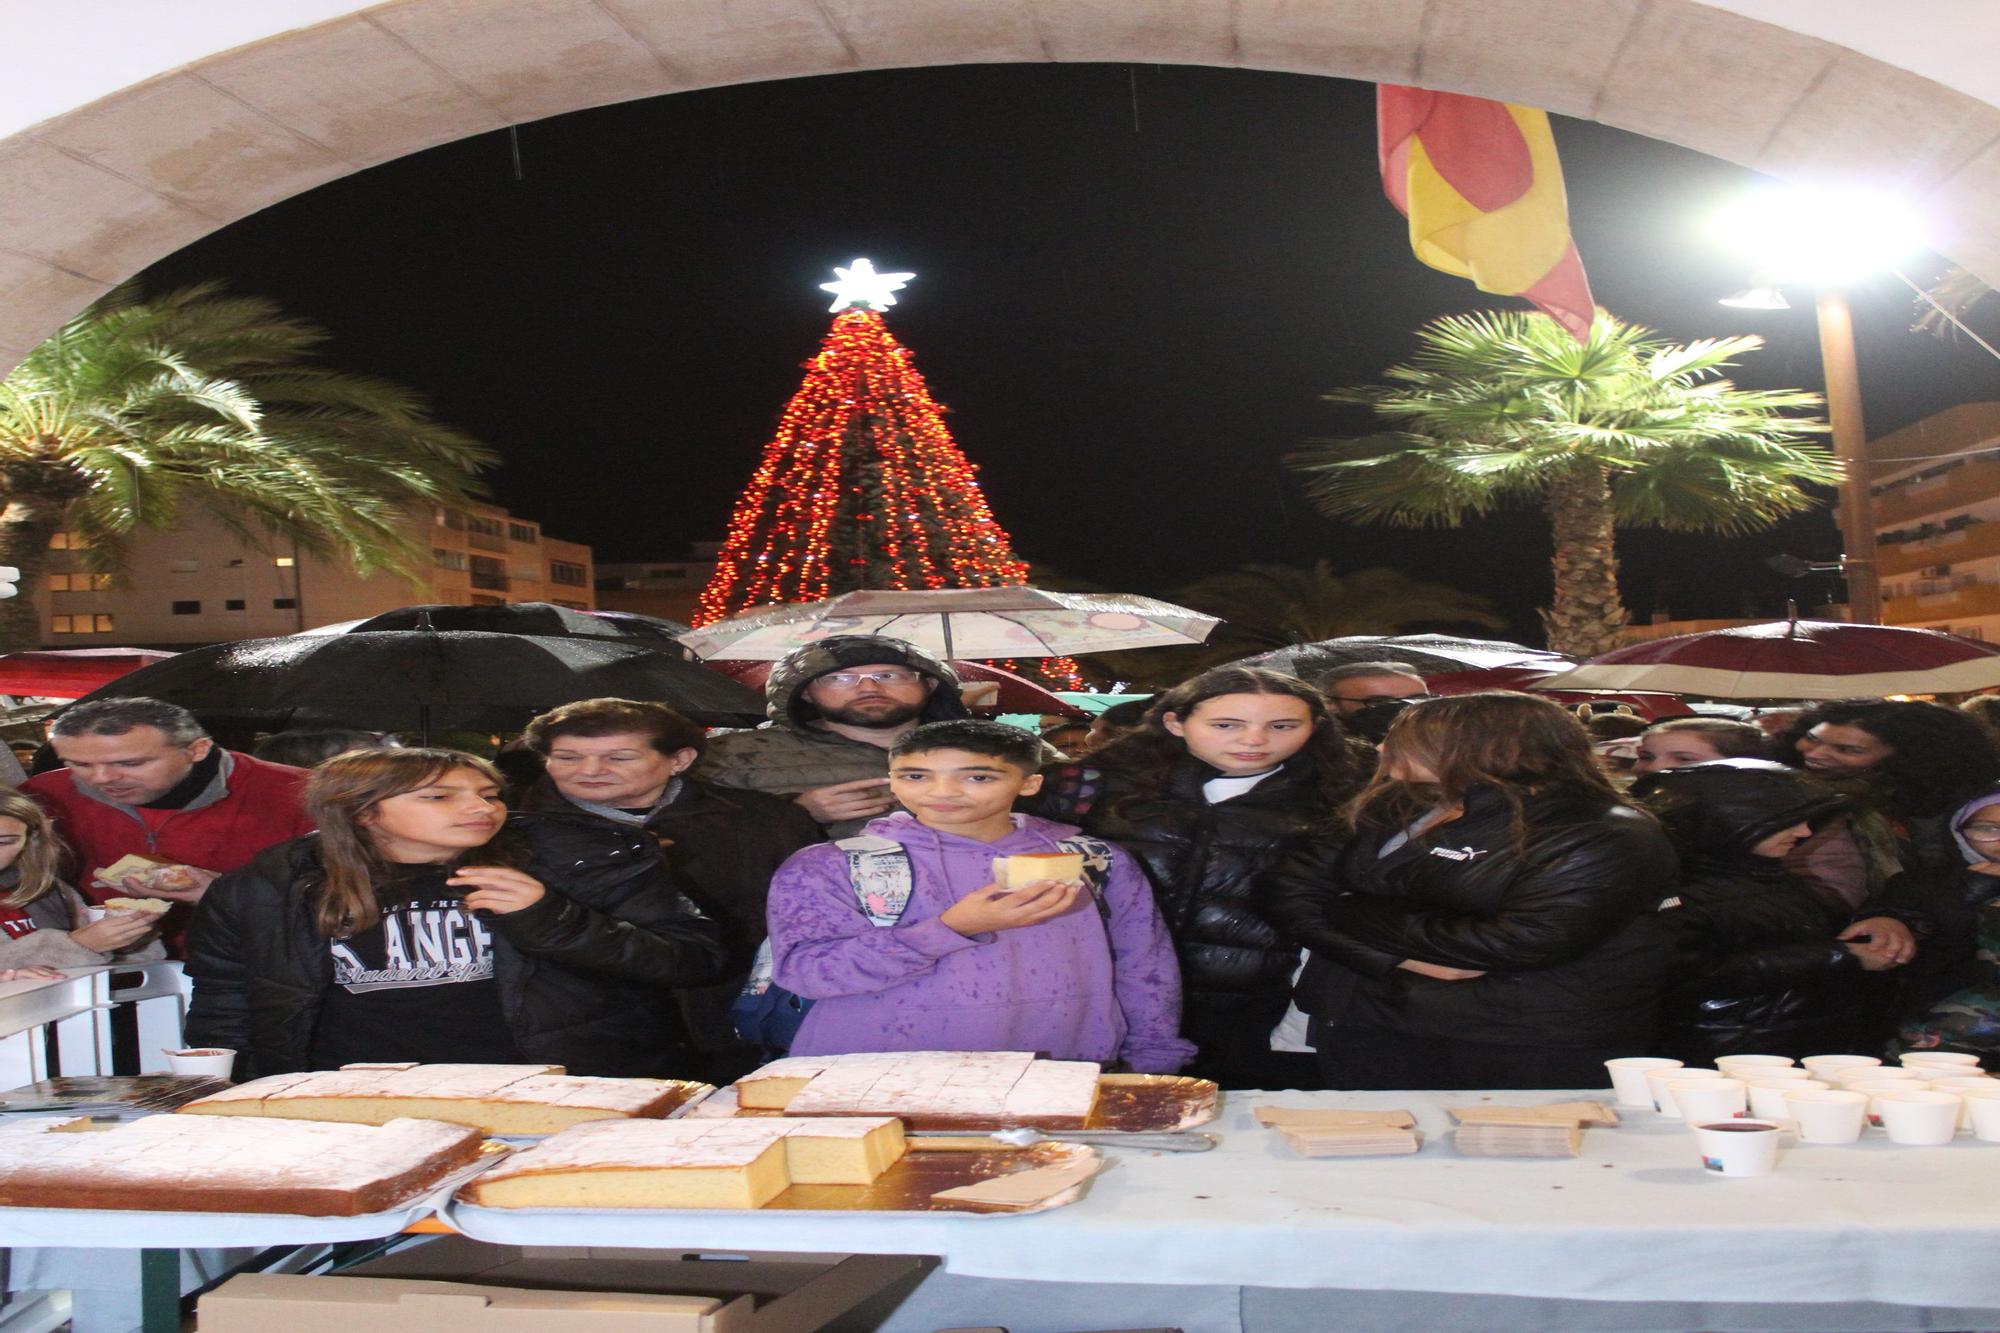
(166, 1163)
(931, 1089)
(498, 1099)
(689, 1163)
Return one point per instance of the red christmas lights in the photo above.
(862, 487)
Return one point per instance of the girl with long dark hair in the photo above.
(1490, 924)
(422, 922)
(1230, 773)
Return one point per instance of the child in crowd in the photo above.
(41, 918)
(1681, 741)
(904, 941)
(1969, 1018)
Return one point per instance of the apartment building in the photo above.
(201, 584)
(1936, 490)
(668, 588)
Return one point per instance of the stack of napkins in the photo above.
(1527, 1131)
(1319, 1132)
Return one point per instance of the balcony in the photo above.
(488, 581)
(1956, 489)
(1976, 599)
(1952, 548)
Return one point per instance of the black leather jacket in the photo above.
(1561, 923)
(1202, 861)
(582, 974)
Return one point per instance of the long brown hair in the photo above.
(41, 851)
(1514, 743)
(346, 787)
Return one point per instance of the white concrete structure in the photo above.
(129, 128)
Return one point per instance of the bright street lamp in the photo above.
(1827, 237)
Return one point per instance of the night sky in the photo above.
(1131, 324)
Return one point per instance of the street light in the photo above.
(1827, 238)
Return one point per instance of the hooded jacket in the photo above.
(789, 755)
(583, 974)
(1758, 967)
(1559, 920)
(1087, 985)
(1967, 1016)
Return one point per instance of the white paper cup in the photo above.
(204, 1061)
(1663, 1097)
(1736, 1066)
(1737, 1147)
(1955, 1059)
(1919, 1118)
(1873, 1090)
(1767, 1095)
(1879, 1074)
(1763, 1073)
(1822, 1066)
(1628, 1077)
(1828, 1115)
(93, 915)
(1705, 1099)
(1960, 1086)
(1983, 1106)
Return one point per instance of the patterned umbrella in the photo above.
(1797, 659)
(545, 618)
(1426, 654)
(960, 623)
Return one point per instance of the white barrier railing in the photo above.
(69, 1021)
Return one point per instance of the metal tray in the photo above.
(110, 1093)
(905, 1189)
(1126, 1103)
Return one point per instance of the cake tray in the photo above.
(1126, 1103)
(110, 1094)
(906, 1189)
(131, 1228)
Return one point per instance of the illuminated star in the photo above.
(861, 285)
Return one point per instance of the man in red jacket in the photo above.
(141, 776)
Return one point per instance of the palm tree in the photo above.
(1275, 605)
(1624, 430)
(138, 407)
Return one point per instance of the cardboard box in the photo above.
(455, 1285)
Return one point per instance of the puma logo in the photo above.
(1460, 853)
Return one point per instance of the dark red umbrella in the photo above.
(1797, 659)
(70, 673)
(1018, 694)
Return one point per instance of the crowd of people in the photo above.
(1339, 883)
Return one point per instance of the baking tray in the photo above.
(690, 1094)
(904, 1190)
(110, 1094)
(1127, 1103)
(121, 1228)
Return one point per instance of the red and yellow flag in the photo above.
(1483, 190)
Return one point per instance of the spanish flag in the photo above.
(1481, 186)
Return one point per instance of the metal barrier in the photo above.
(64, 1026)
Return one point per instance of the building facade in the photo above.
(200, 583)
(1936, 492)
(668, 588)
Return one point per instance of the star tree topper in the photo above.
(860, 285)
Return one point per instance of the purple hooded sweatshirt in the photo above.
(1078, 987)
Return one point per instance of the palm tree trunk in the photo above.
(26, 524)
(1586, 614)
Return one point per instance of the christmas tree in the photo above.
(862, 486)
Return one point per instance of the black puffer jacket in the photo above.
(1562, 924)
(580, 974)
(1758, 966)
(1202, 861)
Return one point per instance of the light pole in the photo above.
(1850, 446)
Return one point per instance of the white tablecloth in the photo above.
(1633, 1219)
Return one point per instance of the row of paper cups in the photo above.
(1924, 1102)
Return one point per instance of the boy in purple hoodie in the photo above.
(904, 942)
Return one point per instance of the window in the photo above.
(62, 624)
(447, 518)
(63, 541)
(561, 571)
(522, 532)
(485, 534)
(235, 564)
(489, 573)
(187, 608)
(80, 624)
(284, 562)
(102, 624)
(447, 559)
(284, 603)
(233, 604)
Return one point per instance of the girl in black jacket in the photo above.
(1230, 773)
(1763, 967)
(1492, 924)
(422, 923)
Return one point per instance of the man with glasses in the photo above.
(1359, 685)
(836, 707)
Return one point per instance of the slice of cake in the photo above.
(936, 1089)
(168, 1163)
(1017, 872)
(497, 1099)
(688, 1163)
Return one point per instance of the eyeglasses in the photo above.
(847, 680)
(1981, 831)
(1369, 700)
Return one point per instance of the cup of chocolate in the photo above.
(201, 1062)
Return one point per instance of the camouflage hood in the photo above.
(784, 700)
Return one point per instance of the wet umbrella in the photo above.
(426, 680)
(1797, 659)
(544, 618)
(1425, 654)
(960, 623)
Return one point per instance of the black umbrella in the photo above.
(425, 680)
(545, 618)
(1425, 654)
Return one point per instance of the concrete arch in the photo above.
(136, 141)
